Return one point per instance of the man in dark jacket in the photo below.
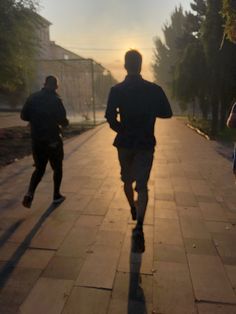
(138, 103)
(45, 112)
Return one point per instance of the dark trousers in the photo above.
(42, 153)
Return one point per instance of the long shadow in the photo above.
(7, 233)
(10, 265)
(136, 301)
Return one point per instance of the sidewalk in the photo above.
(77, 258)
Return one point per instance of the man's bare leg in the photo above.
(129, 193)
(141, 206)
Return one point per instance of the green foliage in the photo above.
(229, 14)
(17, 42)
(201, 70)
(166, 54)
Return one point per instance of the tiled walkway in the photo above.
(77, 258)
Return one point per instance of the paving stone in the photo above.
(129, 306)
(25, 228)
(129, 262)
(166, 213)
(231, 271)
(185, 199)
(167, 231)
(97, 206)
(225, 244)
(51, 234)
(75, 202)
(163, 184)
(87, 301)
(213, 211)
(180, 184)
(47, 296)
(200, 246)
(99, 268)
(88, 221)
(204, 308)
(165, 205)
(205, 198)
(194, 228)
(36, 258)
(172, 291)
(8, 250)
(110, 238)
(118, 214)
(164, 196)
(175, 170)
(200, 188)
(209, 279)
(191, 212)
(62, 267)
(221, 227)
(149, 216)
(78, 242)
(133, 286)
(17, 288)
(169, 253)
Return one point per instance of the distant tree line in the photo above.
(18, 44)
(196, 61)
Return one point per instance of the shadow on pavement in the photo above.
(8, 268)
(7, 234)
(136, 301)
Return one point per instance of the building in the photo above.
(83, 83)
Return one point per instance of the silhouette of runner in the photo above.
(231, 123)
(45, 112)
(138, 103)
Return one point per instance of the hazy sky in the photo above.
(105, 29)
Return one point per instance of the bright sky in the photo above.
(105, 29)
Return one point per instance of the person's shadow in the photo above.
(136, 301)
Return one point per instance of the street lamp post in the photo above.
(93, 91)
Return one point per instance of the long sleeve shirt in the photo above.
(45, 112)
(138, 103)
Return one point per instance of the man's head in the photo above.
(51, 83)
(133, 62)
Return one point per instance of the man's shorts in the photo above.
(44, 152)
(135, 166)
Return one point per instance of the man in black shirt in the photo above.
(45, 112)
(138, 103)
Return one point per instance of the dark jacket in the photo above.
(46, 113)
(138, 103)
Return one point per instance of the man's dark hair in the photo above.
(133, 61)
(51, 81)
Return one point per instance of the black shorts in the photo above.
(136, 166)
(44, 152)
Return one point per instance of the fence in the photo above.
(83, 86)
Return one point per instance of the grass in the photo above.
(15, 142)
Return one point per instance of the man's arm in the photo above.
(25, 112)
(163, 106)
(61, 114)
(111, 113)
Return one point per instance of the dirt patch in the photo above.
(15, 142)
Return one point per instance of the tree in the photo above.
(18, 43)
(229, 14)
(166, 54)
(212, 31)
(190, 79)
(201, 70)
